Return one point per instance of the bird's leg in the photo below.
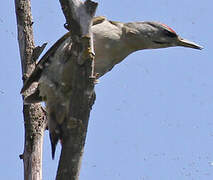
(96, 81)
(87, 53)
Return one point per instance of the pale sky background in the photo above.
(153, 117)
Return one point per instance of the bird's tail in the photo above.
(54, 132)
(54, 137)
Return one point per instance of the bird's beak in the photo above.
(187, 43)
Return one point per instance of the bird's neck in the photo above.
(134, 39)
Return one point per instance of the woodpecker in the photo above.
(113, 41)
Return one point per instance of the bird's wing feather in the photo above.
(36, 74)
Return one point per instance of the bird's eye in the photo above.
(169, 33)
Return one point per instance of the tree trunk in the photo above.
(81, 72)
(34, 115)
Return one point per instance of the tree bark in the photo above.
(34, 115)
(81, 79)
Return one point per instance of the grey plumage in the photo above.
(113, 41)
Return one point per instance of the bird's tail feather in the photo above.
(54, 132)
(54, 137)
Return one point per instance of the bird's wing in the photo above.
(36, 74)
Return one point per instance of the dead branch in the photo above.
(80, 67)
(34, 115)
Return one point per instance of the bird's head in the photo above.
(153, 35)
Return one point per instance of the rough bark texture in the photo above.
(34, 115)
(81, 68)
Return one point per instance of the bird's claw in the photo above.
(87, 52)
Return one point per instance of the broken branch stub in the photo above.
(78, 15)
(77, 92)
